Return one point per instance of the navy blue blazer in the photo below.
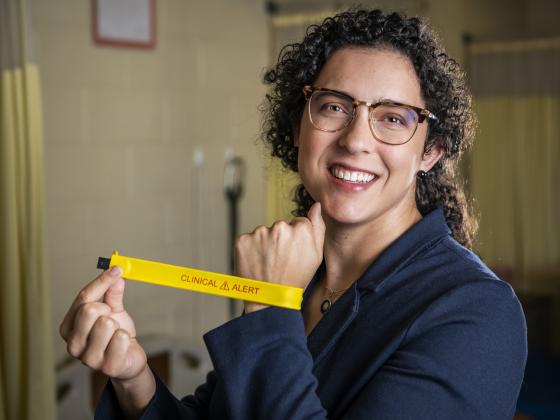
(427, 332)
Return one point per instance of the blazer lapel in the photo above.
(333, 324)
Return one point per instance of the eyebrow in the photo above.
(374, 101)
(339, 91)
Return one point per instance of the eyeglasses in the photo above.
(390, 122)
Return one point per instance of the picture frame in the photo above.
(124, 23)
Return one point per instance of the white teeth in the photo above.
(351, 176)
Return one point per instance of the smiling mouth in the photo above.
(357, 177)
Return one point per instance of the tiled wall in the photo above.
(121, 128)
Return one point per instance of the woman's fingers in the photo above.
(112, 351)
(100, 333)
(97, 342)
(116, 354)
(316, 222)
(86, 317)
(285, 253)
(92, 292)
(124, 357)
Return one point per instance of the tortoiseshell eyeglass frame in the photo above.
(422, 113)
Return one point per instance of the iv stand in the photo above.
(234, 177)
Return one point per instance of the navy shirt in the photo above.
(427, 332)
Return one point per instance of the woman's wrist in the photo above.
(135, 394)
(253, 307)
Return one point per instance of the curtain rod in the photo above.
(535, 44)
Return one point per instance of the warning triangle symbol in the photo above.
(224, 286)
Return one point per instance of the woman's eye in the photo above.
(334, 108)
(393, 119)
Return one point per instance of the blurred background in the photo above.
(120, 146)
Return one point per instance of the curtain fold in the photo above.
(27, 386)
(281, 183)
(514, 168)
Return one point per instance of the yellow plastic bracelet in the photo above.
(205, 281)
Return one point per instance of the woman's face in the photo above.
(323, 157)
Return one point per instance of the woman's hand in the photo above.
(286, 253)
(101, 334)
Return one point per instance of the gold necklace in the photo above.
(328, 302)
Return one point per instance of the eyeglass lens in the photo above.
(389, 123)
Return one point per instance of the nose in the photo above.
(357, 137)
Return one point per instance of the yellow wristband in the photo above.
(205, 281)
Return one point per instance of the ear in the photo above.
(432, 155)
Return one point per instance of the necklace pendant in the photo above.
(326, 305)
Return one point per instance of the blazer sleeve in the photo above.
(265, 367)
(163, 405)
(462, 358)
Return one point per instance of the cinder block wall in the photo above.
(122, 128)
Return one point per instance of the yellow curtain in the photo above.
(27, 389)
(280, 188)
(514, 168)
(514, 178)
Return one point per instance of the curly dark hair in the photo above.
(443, 87)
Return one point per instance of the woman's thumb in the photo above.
(317, 222)
(115, 293)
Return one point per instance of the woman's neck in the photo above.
(350, 249)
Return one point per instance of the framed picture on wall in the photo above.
(126, 23)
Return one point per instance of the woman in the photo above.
(400, 319)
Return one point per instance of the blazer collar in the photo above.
(333, 324)
(430, 229)
(328, 330)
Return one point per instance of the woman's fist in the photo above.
(286, 253)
